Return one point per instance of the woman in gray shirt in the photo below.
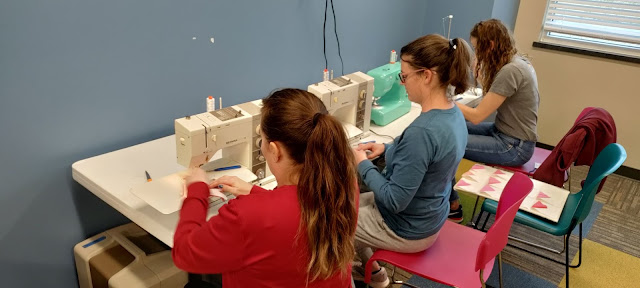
(511, 88)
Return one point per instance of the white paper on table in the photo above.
(166, 194)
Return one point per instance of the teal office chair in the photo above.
(576, 209)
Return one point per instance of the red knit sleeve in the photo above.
(207, 247)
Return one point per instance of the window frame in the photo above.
(585, 47)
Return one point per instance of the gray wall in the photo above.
(80, 78)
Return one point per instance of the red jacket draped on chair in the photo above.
(593, 131)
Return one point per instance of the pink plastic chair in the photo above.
(450, 260)
(539, 155)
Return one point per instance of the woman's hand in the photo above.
(375, 148)
(232, 184)
(194, 175)
(360, 155)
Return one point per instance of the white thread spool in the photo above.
(210, 104)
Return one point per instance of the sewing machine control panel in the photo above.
(227, 113)
(340, 82)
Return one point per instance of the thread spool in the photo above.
(210, 104)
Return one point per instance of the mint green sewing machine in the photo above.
(390, 99)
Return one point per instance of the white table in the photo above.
(110, 176)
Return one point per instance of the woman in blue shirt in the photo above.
(409, 201)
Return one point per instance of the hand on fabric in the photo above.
(375, 148)
(232, 184)
(360, 155)
(195, 175)
(192, 175)
(215, 192)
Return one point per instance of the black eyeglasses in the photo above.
(403, 77)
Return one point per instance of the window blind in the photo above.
(604, 22)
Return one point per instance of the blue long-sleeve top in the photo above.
(412, 192)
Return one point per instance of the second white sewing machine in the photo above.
(232, 130)
(349, 99)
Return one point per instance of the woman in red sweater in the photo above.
(298, 235)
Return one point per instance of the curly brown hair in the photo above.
(495, 47)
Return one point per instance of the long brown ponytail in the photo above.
(326, 186)
(450, 59)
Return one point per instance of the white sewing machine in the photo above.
(349, 99)
(232, 130)
(222, 142)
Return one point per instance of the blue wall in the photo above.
(466, 13)
(506, 10)
(80, 78)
